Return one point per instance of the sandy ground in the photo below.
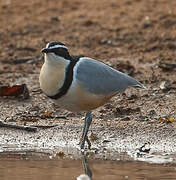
(137, 37)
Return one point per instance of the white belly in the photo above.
(78, 99)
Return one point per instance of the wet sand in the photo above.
(137, 37)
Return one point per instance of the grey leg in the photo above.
(87, 123)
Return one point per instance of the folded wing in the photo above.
(99, 78)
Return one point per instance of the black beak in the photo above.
(46, 50)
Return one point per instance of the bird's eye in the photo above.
(57, 53)
(62, 52)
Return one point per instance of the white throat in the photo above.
(51, 58)
(52, 74)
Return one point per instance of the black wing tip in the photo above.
(141, 86)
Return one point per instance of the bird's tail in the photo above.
(139, 84)
(133, 82)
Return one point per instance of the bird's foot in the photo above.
(82, 143)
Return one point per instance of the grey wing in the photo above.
(99, 78)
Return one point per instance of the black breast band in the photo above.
(68, 79)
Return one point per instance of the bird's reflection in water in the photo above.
(88, 172)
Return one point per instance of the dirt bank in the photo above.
(136, 37)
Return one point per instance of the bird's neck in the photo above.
(52, 76)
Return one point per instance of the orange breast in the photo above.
(89, 101)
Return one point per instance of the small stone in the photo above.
(55, 19)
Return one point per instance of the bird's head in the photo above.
(56, 51)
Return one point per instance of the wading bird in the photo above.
(79, 83)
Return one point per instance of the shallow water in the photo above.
(69, 169)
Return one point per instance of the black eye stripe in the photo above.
(61, 52)
(58, 49)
